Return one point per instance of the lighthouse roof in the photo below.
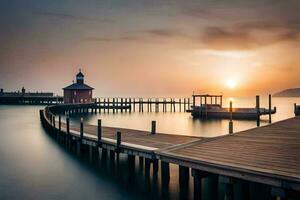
(78, 86)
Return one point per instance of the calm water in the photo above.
(34, 166)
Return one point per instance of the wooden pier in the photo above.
(267, 155)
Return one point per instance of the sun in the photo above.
(231, 83)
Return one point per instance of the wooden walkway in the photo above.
(269, 154)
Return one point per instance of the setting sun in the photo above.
(231, 83)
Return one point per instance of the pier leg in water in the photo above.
(147, 167)
(155, 166)
(165, 173)
(228, 187)
(141, 163)
(184, 175)
(112, 161)
(131, 165)
(197, 184)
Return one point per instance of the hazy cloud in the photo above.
(249, 35)
(65, 16)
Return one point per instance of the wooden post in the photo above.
(68, 125)
(133, 104)
(121, 105)
(184, 174)
(230, 122)
(194, 101)
(174, 105)
(53, 120)
(270, 108)
(188, 103)
(130, 105)
(165, 172)
(295, 109)
(99, 132)
(153, 127)
(179, 104)
(59, 123)
(108, 104)
(155, 166)
(118, 140)
(197, 184)
(257, 111)
(81, 130)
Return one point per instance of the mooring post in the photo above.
(81, 130)
(59, 123)
(153, 127)
(230, 122)
(99, 131)
(108, 104)
(179, 104)
(257, 111)
(68, 131)
(53, 120)
(118, 142)
(270, 108)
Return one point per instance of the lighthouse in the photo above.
(78, 92)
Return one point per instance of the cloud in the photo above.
(112, 39)
(64, 16)
(146, 35)
(250, 35)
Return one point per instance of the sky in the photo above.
(151, 48)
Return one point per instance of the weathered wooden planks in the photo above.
(272, 151)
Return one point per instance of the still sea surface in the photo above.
(34, 166)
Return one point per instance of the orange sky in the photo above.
(161, 48)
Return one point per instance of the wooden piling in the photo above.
(165, 172)
(118, 141)
(184, 174)
(99, 132)
(257, 111)
(230, 122)
(153, 127)
(81, 130)
(155, 166)
(59, 123)
(270, 108)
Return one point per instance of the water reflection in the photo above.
(34, 166)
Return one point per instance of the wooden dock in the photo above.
(268, 155)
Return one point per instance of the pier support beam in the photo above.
(229, 186)
(155, 166)
(165, 172)
(147, 166)
(141, 162)
(184, 175)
